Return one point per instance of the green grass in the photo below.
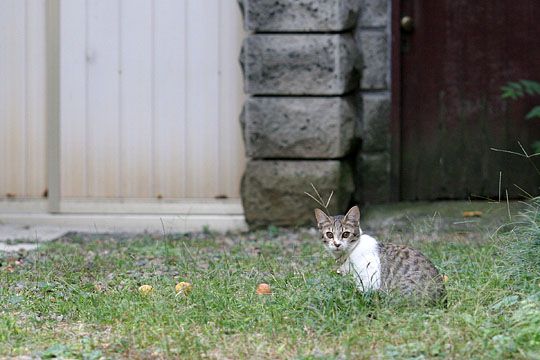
(78, 298)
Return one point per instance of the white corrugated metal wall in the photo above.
(150, 93)
(22, 98)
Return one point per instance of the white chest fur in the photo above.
(364, 264)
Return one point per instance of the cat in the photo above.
(376, 266)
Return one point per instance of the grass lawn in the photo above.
(78, 298)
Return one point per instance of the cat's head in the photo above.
(339, 233)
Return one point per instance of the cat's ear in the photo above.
(321, 217)
(353, 216)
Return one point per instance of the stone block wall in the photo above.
(299, 16)
(286, 64)
(301, 64)
(372, 35)
(317, 76)
(273, 190)
(299, 127)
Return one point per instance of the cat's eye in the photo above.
(345, 234)
(329, 235)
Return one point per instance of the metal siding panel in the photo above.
(36, 182)
(170, 93)
(136, 125)
(12, 98)
(203, 96)
(103, 162)
(73, 90)
(231, 98)
(145, 111)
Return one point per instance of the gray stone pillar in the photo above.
(301, 70)
(372, 35)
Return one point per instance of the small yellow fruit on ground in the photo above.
(445, 278)
(263, 289)
(145, 289)
(183, 287)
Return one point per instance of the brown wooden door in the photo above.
(447, 107)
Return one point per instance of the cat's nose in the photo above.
(337, 244)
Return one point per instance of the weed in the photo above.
(515, 90)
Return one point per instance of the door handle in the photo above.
(407, 23)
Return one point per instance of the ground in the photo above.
(77, 297)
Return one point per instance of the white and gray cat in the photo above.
(377, 266)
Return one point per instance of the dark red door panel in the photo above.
(453, 64)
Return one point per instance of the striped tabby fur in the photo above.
(377, 266)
